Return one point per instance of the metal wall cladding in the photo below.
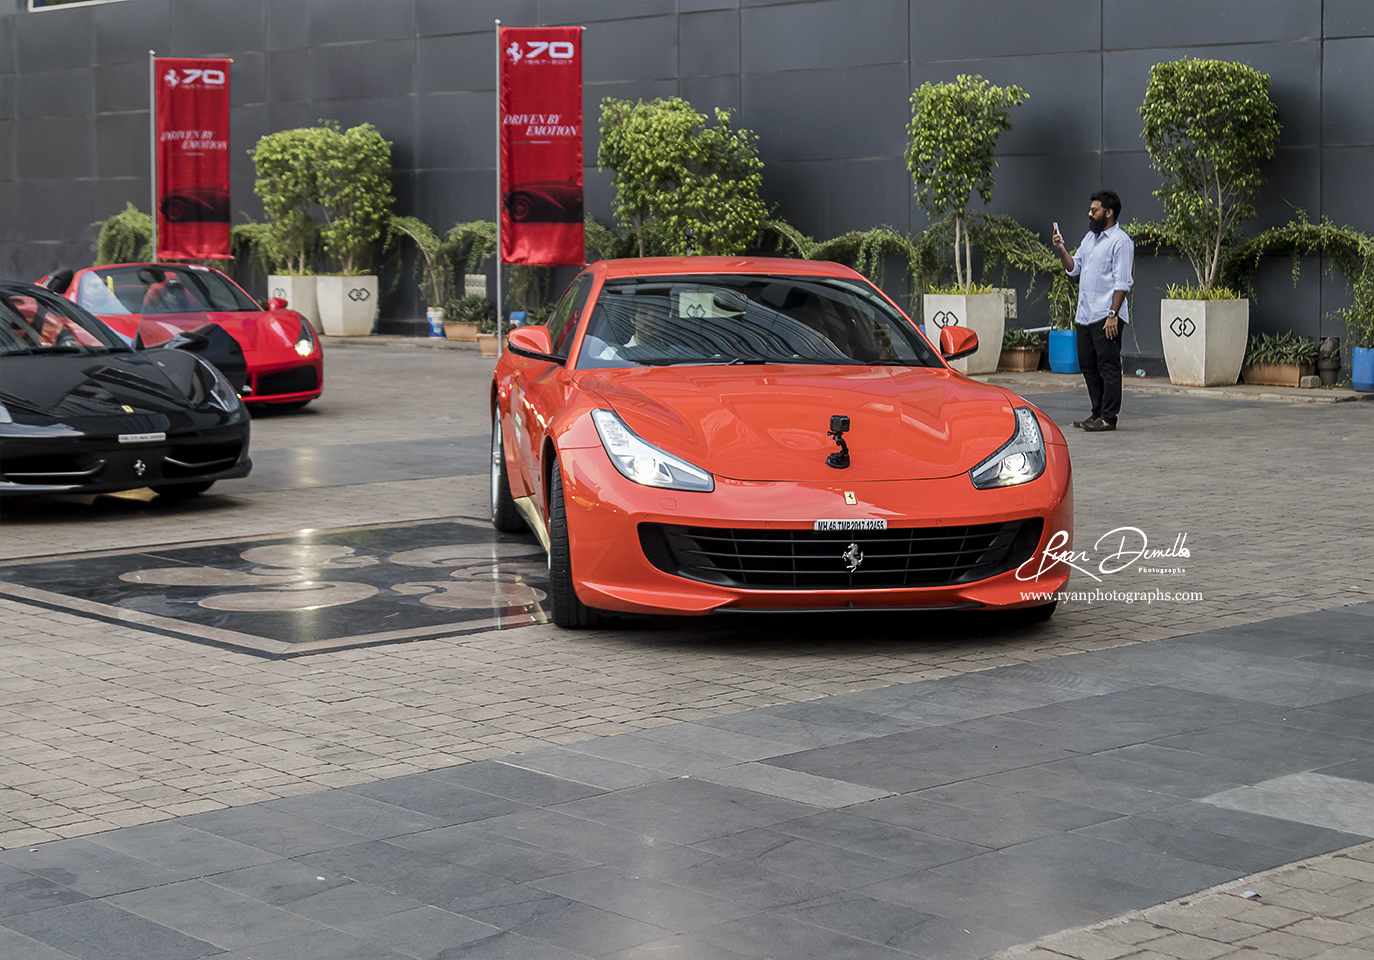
(825, 84)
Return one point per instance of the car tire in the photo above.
(504, 515)
(520, 208)
(175, 209)
(568, 610)
(182, 491)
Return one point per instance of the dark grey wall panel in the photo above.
(709, 43)
(247, 125)
(55, 210)
(1347, 104)
(394, 120)
(692, 6)
(351, 21)
(1292, 179)
(121, 146)
(120, 87)
(556, 12)
(288, 24)
(7, 85)
(7, 154)
(54, 93)
(450, 64)
(810, 114)
(433, 17)
(1346, 187)
(708, 93)
(248, 78)
(55, 148)
(357, 71)
(288, 75)
(1039, 189)
(970, 29)
(1348, 18)
(824, 34)
(290, 116)
(456, 130)
(1278, 305)
(1128, 24)
(207, 28)
(127, 31)
(52, 40)
(825, 198)
(642, 49)
(1129, 174)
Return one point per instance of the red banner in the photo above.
(192, 158)
(541, 146)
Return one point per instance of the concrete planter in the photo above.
(1277, 374)
(487, 343)
(983, 313)
(1020, 359)
(348, 305)
(299, 294)
(1204, 340)
(466, 332)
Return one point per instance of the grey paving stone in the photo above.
(645, 899)
(981, 799)
(804, 858)
(754, 735)
(898, 927)
(95, 930)
(281, 882)
(1180, 784)
(678, 947)
(1283, 749)
(767, 934)
(1332, 802)
(410, 873)
(738, 881)
(424, 931)
(799, 785)
(515, 783)
(596, 842)
(581, 768)
(508, 859)
(1303, 839)
(213, 914)
(1186, 761)
(1060, 784)
(832, 712)
(943, 820)
(22, 892)
(852, 830)
(270, 829)
(16, 946)
(356, 814)
(350, 902)
(446, 802)
(569, 924)
(323, 945)
(1190, 843)
(91, 868)
(181, 849)
(651, 754)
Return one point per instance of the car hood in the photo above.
(771, 423)
(41, 389)
(262, 334)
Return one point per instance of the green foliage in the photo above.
(529, 286)
(473, 309)
(434, 260)
(954, 130)
(248, 242)
(1176, 291)
(288, 185)
(967, 290)
(1280, 348)
(353, 177)
(1017, 337)
(604, 243)
(1209, 126)
(671, 171)
(127, 237)
(473, 244)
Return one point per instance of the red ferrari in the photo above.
(706, 434)
(156, 301)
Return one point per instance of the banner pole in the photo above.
(498, 189)
(152, 143)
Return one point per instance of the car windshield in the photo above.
(46, 324)
(159, 288)
(736, 318)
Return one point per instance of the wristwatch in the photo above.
(1111, 313)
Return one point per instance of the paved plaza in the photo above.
(198, 764)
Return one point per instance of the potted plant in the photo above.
(476, 313)
(1209, 125)
(1361, 335)
(1021, 350)
(353, 174)
(1063, 339)
(434, 265)
(286, 182)
(1279, 360)
(953, 136)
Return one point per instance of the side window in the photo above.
(566, 316)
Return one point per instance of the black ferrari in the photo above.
(84, 411)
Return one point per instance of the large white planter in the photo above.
(1204, 340)
(983, 313)
(299, 294)
(348, 305)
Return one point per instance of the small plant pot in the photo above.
(1019, 359)
(1362, 369)
(1276, 374)
(464, 332)
(1064, 351)
(487, 343)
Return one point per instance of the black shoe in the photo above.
(1098, 426)
(1080, 424)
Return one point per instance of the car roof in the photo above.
(696, 266)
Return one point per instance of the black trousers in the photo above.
(1099, 357)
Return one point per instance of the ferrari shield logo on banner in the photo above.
(192, 158)
(541, 145)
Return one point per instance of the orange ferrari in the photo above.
(704, 434)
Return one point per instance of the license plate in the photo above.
(141, 437)
(851, 525)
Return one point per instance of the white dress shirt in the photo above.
(1106, 262)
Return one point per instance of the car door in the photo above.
(542, 388)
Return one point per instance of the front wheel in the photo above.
(568, 611)
(504, 515)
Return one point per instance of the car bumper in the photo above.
(292, 382)
(612, 571)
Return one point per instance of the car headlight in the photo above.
(1020, 460)
(221, 393)
(305, 340)
(645, 463)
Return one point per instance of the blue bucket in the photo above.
(1064, 351)
(436, 323)
(1362, 369)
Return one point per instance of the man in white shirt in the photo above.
(1105, 261)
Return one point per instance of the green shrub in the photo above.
(1280, 348)
(1015, 337)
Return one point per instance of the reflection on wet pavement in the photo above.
(306, 592)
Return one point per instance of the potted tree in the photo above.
(285, 165)
(953, 136)
(1021, 350)
(354, 181)
(434, 265)
(1279, 360)
(1209, 125)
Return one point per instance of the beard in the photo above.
(1096, 225)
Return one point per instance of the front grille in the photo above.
(815, 559)
(50, 468)
(296, 380)
(193, 459)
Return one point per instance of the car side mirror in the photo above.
(276, 303)
(956, 342)
(533, 343)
